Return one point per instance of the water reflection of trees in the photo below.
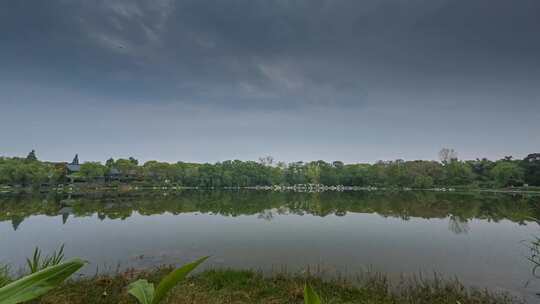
(458, 225)
(458, 208)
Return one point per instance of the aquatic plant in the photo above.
(38, 283)
(37, 263)
(145, 293)
(534, 249)
(534, 257)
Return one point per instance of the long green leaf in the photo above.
(310, 296)
(39, 283)
(173, 278)
(4, 275)
(142, 290)
(33, 264)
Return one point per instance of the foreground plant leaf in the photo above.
(310, 296)
(39, 283)
(142, 290)
(173, 278)
(38, 262)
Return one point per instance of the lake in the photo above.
(477, 238)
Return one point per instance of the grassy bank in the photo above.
(231, 286)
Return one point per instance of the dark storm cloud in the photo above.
(433, 57)
(262, 50)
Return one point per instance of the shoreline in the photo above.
(246, 286)
(82, 189)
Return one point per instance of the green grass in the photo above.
(232, 286)
(4, 275)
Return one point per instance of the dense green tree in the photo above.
(531, 166)
(396, 174)
(126, 166)
(356, 174)
(481, 169)
(236, 173)
(159, 171)
(377, 174)
(295, 173)
(458, 173)
(58, 174)
(92, 170)
(313, 172)
(423, 182)
(418, 169)
(23, 172)
(507, 173)
(330, 174)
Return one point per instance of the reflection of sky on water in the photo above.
(476, 251)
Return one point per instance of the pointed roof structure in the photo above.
(74, 165)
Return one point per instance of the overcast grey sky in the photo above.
(205, 81)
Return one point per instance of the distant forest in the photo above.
(448, 172)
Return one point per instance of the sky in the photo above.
(207, 81)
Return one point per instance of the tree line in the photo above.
(449, 171)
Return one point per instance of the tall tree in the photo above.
(447, 155)
(31, 156)
(458, 173)
(134, 161)
(109, 163)
(531, 165)
(507, 174)
(92, 170)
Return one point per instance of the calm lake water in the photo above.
(475, 237)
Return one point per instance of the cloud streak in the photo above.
(435, 68)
